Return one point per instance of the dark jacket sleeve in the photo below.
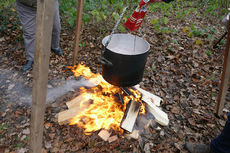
(168, 1)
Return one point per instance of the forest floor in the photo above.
(184, 71)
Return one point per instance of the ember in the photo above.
(105, 111)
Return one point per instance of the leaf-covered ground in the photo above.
(182, 68)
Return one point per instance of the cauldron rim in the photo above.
(138, 52)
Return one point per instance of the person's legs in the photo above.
(55, 43)
(221, 144)
(27, 17)
(56, 28)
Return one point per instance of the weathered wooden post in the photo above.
(78, 29)
(224, 77)
(44, 20)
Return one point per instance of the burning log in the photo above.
(65, 116)
(74, 102)
(130, 116)
(77, 101)
(120, 98)
(126, 91)
(102, 107)
(75, 107)
(148, 97)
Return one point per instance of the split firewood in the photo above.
(149, 97)
(65, 116)
(130, 116)
(112, 138)
(133, 135)
(153, 102)
(160, 116)
(77, 101)
(104, 134)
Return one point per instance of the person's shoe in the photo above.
(198, 148)
(28, 66)
(58, 51)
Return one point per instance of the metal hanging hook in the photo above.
(101, 58)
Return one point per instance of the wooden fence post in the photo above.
(224, 77)
(78, 29)
(44, 25)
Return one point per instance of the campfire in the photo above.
(109, 107)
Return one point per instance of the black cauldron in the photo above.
(124, 59)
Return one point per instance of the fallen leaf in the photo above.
(22, 150)
(170, 57)
(52, 135)
(11, 86)
(191, 121)
(175, 110)
(112, 138)
(48, 145)
(26, 131)
(44, 151)
(185, 29)
(199, 42)
(48, 125)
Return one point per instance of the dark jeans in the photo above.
(221, 144)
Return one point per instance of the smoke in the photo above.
(70, 85)
(14, 90)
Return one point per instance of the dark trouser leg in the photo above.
(221, 144)
(55, 44)
(27, 17)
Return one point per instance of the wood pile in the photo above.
(129, 119)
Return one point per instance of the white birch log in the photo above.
(160, 116)
(149, 97)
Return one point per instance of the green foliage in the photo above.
(184, 10)
(95, 11)
(222, 42)
(122, 28)
(164, 30)
(174, 41)
(20, 145)
(26, 139)
(4, 4)
(212, 77)
(82, 44)
(3, 127)
(208, 53)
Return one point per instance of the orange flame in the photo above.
(105, 111)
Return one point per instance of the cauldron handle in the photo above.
(104, 61)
